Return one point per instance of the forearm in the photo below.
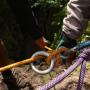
(77, 18)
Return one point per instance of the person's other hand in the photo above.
(41, 42)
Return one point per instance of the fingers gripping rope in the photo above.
(85, 55)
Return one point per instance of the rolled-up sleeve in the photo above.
(78, 15)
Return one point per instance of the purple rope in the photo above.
(86, 56)
(60, 77)
(81, 77)
(83, 56)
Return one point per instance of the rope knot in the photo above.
(85, 54)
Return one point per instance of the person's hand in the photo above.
(68, 43)
(41, 42)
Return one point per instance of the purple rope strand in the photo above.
(83, 56)
(86, 56)
(60, 77)
(82, 74)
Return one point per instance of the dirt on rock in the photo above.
(25, 75)
(27, 79)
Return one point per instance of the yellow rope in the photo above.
(26, 61)
(29, 60)
(48, 48)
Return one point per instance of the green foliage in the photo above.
(45, 2)
(50, 14)
(86, 35)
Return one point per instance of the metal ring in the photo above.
(43, 53)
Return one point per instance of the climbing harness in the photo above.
(82, 58)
